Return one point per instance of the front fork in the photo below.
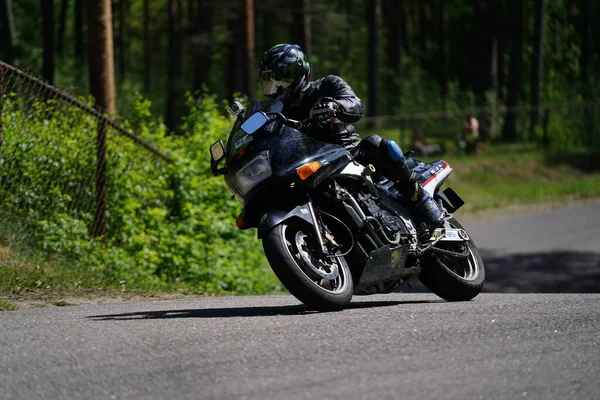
(323, 248)
(305, 212)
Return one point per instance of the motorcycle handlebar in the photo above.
(295, 124)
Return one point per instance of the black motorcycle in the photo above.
(331, 227)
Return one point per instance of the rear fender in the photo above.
(275, 217)
(450, 199)
(437, 177)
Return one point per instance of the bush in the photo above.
(167, 225)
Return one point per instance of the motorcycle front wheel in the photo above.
(454, 278)
(322, 283)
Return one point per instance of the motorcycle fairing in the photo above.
(288, 150)
(384, 264)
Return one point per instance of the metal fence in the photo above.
(56, 152)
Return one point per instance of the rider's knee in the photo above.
(376, 147)
(394, 151)
(370, 146)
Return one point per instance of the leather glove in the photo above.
(324, 113)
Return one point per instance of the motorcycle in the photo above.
(332, 228)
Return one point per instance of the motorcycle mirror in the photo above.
(217, 151)
(254, 123)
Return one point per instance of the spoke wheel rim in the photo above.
(329, 276)
(467, 268)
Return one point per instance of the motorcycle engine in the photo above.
(390, 223)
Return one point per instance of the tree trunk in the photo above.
(62, 23)
(100, 50)
(394, 30)
(122, 38)
(419, 32)
(248, 63)
(173, 66)
(509, 131)
(235, 75)
(478, 56)
(302, 32)
(203, 45)
(586, 38)
(79, 48)
(350, 21)
(444, 51)
(394, 45)
(505, 28)
(492, 46)
(267, 27)
(374, 16)
(147, 48)
(7, 31)
(191, 11)
(491, 85)
(48, 40)
(537, 65)
(102, 85)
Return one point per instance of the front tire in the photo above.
(453, 278)
(321, 284)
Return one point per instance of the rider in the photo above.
(332, 106)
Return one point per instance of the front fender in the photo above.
(275, 217)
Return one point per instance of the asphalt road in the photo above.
(405, 345)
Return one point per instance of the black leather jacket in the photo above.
(335, 88)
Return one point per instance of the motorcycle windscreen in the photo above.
(238, 138)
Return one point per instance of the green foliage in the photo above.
(168, 225)
(6, 306)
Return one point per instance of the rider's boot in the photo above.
(388, 156)
(428, 211)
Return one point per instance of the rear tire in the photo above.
(452, 278)
(288, 249)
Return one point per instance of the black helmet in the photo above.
(284, 71)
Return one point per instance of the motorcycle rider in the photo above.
(333, 106)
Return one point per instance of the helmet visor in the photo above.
(275, 82)
(271, 88)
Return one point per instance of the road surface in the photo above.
(406, 345)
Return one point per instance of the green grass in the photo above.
(511, 175)
(22, 269)
(6, 306)
(505, 175)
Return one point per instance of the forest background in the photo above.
(400, 56)
(528, 70)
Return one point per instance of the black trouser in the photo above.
(387, 158)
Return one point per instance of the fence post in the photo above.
(100, 217)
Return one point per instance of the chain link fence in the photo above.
(59, 159)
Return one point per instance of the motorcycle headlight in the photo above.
(253, 173)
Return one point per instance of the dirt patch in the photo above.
(29, 299)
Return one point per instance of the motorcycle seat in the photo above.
(427, 171)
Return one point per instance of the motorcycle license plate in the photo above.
(452, 235)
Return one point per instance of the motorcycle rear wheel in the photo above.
(323, 284)
(454, 278)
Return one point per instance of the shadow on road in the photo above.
(551, 272)
(547, 272)
(244, 311)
